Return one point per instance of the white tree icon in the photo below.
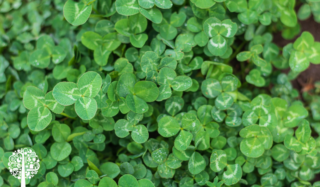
(24, 163)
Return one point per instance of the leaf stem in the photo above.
(236, 52)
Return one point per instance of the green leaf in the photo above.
(183, 140)
(125, 84)
(60, 151)
(76, 13)
(174, 104)
(77, 163)
(110, 169)
(146, 4)
(89, 84)
(128, 181)
(60, 132)
(136, 104)
(52, 104)
(168, 126)
(254, 77)
(160, 155)
(181, 83)
(211, 88)
(146, 90)
(165, 171)
(303, 133)
(218, 160)
(298, 61)
(224, 101)
(292, 143)
(107, 182)
(65, 170)
(40, 58)
(256, 140)
(92, 176)
(185, 42)
(166, 76)
(288, 17)
(33, 97)
(140, 134)
(145, 183)
(127, 7)
(138, 40)
(153, 14)
(122, 128)
(173, 162)
(52, 178)
(164, 4)
(86, 108)
(217, 45)
(232, 175)
(204, 4)
(101, 55)
(39, 118)
(304, 12)
(82, 183)
(66, 93)
(280, 153)
(91, 40)
(196, 163)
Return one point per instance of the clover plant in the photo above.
(159, 93)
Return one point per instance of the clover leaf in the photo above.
(250, 12)
(256, 140)
(220, 90)
(253, 55)
(168, 79)
(132, 27)
(254, 77)
(40, 106)
(231, 116)
(305, 50)
(219, 32)
(129, 8)
(139, 133)
(102, 46)
(47, 52)
(232, 175)
(81, 94)
(77, 13)
(303, 142)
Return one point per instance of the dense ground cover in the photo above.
(159, 92)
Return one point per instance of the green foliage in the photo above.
(152, 93)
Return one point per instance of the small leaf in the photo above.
(60, 151)
(168, 126)
(232, 175)
(39, 118)
(76, 13)
(211, 88)
(86, 108)
(140, 134)
(89, 84)
(128, 181)
(127, 7)
(196, 163)
(33, 97)
(218, 160)
(66, 93)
